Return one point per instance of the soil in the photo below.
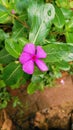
(51, 108)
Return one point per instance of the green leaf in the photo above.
(57, 72)
(40, 17)
(12, 47)
(59, 20)
(63, 66)
(69, 25)
(69, 31)
(69, 37)
(2, 35)
(15, 46)
(71, 4)
(15, 86)
(32, 87)
(67, 13)
(16, 102)
(18, 30)
(4, 2)
(36, 79)
(22, 5)
(38, 75)
(63, 3)
(2, 84)
(4, 16)
(5, 57)
(27, 77)
(12, 73)
(3, 104)
(58, 52)
(22, 41)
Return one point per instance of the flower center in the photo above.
(34, 57)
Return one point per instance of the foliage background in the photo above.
(45, 23)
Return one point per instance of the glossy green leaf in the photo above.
(4, 16)
(58, 52)
(59, 19)
(18, 30)
(12, 47)
(5, 57)
(12, 72)
(40, 17)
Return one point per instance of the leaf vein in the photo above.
(13, 72)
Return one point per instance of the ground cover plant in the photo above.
(36, 44)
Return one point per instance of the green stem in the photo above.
(23, 23)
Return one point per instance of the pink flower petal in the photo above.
(24, 57)
(29, 48)
(28, 67)
(41, 65)
(40, 52)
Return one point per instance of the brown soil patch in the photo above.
(57, 100)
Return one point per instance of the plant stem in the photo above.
(23, 23)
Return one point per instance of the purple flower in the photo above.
(32, 55)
